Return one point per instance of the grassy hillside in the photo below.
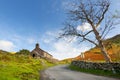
(66, 61)
(112, 46)
(21, 67)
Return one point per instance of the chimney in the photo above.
(37, 46)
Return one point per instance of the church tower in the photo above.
(37, 46)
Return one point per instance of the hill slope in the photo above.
(112, 46)
(21, 67)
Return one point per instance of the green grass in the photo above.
(95, 72)
(20, 67)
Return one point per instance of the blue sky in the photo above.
(26, 22)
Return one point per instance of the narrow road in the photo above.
(62, 73)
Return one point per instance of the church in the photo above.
(39, 53)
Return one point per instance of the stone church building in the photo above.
(37, 52)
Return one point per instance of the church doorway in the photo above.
(33, 55)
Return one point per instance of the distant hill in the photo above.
(65, 61)
(2, 51)
(112, 46)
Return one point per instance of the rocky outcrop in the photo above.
(93, 65)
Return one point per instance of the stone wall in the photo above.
(93, 65)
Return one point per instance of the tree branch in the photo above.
(84, 38)
(103, 13)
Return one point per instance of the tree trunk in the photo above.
(106, 55)
(101, 46)
(104, 52)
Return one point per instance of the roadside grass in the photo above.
(95, 72)
(20, 67)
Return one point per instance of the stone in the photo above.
(100, 66)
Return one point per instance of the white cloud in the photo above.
(50, 33)
(6, 45)
(31, 40)
(64, 49)
(49, 37)
(84, 27)
(27, 39)
(46, 41)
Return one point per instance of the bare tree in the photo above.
(94, 12)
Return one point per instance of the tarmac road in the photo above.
(62, 73)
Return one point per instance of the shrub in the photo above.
(24, 52)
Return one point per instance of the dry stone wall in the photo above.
(93, 65)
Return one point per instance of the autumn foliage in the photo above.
(113, 48)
